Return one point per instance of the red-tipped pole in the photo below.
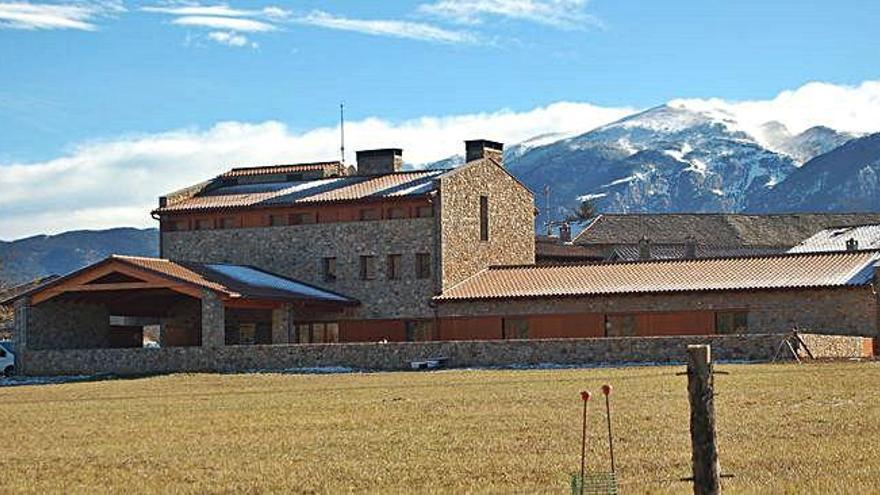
(606, 390)
(585, 397)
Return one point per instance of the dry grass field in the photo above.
(782, 428)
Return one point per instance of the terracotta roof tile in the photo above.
(350, 188)
(760, 272)
(281, 169)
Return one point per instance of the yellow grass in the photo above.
(782, 428)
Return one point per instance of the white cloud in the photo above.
(232, 23)
(852, 109)
(45, 16)
(566, 14)
(74, 190)
(227, 23)
(230, 38)
(393, 28)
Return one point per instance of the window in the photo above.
(620, 325)
(302, 218)
(277, 220)
(369, 214)
(202, 224)
(425, 211)
(329, 269)
(395, 267)
(226, 223)
(515, 328)
(396, 212)
(484, 218)
(368, 267)
(304, 333)
(419, 330)
(318, 333)
(247, 333)
(732, 322)
(423, 265)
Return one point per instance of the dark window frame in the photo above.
(484, 218)
(329, 269)
(368, 267)
(394, 267)
(424, 269)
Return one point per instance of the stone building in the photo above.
(322, 253)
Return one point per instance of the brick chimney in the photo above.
(375, 162)
(477, 149)
(852, 244)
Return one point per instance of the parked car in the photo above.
(7, 358)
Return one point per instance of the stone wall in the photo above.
(511, 221)
(397, 356)
(65, 325)
(845, 310)
(297, 252)
(837, 346)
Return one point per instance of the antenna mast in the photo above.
(342, 132)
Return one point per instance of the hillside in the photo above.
(844, 179)
(26, 259)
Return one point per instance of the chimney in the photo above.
(644, 248)
(852, 244)
(376, 162)
(690, 248)
(482, 148)
(565, 232)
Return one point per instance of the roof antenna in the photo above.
(342, 133)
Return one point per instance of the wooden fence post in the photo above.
(704, 451)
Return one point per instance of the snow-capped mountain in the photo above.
(665, 159)
(844, 179)
(685, 158)
(804, 146)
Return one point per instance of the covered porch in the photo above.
(129, 302)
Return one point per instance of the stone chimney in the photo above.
(375, 162)
(477, 149)
(565, 232)
(852, 244)
(690, 248)
(644, 248)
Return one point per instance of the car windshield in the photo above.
(8, 346)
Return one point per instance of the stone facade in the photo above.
(398, 356)
(213, 320)
(845, 310)
(298, 252)
(65, 325)
(511, 208)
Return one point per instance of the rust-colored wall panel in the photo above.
(372, 330)
(481, 328)
(566, 326)
(677, 323)
(326, 213)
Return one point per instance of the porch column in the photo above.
(20, 331)
(213, 320)
(282, 321)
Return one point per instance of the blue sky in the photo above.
(80, 77)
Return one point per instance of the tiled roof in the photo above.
(786, 271)
(236, 280)
(280, 169)
(352, 188)
(229, 281)
(715, 229)
(834, 239)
